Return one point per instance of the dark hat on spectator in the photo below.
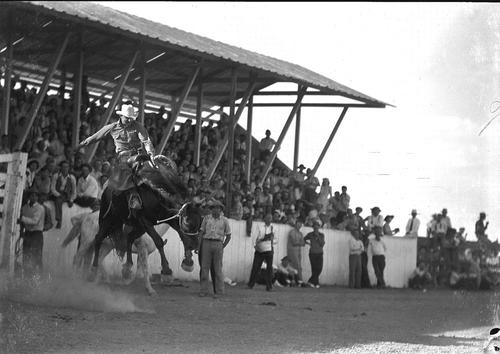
(376, 208)
(414, 211)
(388, 217)
(213, 203)
(301, 167)
(33, 161)
(285, 259)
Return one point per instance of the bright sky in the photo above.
(437, 63)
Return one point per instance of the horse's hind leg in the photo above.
(133, 235)
(165, 269)
(142, 265)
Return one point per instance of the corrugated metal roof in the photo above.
(129, 24)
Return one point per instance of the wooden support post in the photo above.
(230, 137)
(176, 110)
(297, 140)
(32, 113)
(6, 85)
(114, 100)
(296, 106)
(248, 162)
(329, 141)
(142, 89)
(223, 145)
(77, 94)
(199, 121)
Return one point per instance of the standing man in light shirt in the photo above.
(87, 187)
(265, 241)
(294, 247)
(32, 217)
(216, 234)
(356, 247)
(378, 249)
(413, 224)
(266, 145)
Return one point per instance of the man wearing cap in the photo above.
(215, 233)
(376, 219)
(316, 240)
(32, 217)
(130, 137)
(413, 224)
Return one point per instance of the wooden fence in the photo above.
(12, 181)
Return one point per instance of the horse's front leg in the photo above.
(166, 272)
(187, 263)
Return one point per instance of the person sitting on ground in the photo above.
(387, 226)
(420, 277)
(286, 274)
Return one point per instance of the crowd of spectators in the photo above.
(449, 260)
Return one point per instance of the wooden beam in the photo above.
(77, 95)
(41, 94)
(223, 145)
(142, 88)
(248, 162)
(4, 128)
(199, 121)
(329, 141)
(297, 140)
(319, 105)
(176, 110)
(230, 137)
(114, 100)
(295, 108)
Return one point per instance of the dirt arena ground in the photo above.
(74, 317)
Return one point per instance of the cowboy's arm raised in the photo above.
(100, 134)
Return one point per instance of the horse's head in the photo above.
(190, 219)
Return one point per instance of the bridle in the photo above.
(181, 214)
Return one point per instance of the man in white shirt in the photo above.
(355, 249)
(87, 188)
(378, 249)
(376, 219)
(266, 145)
(32, 217)
(413, 224)
(265, 241)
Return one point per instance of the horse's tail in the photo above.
(75, 230)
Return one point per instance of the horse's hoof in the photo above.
(92, 274)
(126, 273)
(152, 292)
(167, 278)
(187, 265)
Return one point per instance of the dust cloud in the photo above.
(68, 292)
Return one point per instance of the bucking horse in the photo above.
(161, 191)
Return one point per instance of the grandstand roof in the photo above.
(110, 38)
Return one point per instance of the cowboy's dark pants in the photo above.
(32, 252)
(316, 260)
(378, 266)
(258, 258)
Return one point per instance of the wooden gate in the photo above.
(12, 181)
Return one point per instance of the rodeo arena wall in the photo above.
(401, 254)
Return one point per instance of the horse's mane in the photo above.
(164, 178)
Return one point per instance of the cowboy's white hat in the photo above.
(128, 111)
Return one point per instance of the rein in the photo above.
(182, 220)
